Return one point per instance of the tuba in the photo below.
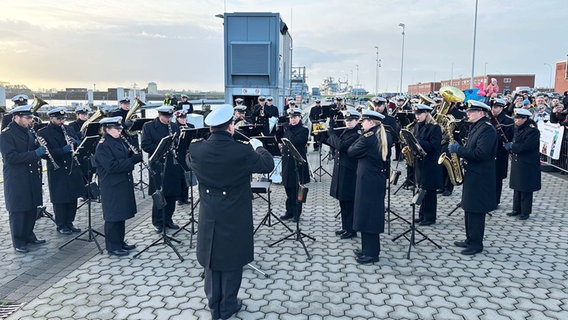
(137, 104)
(98, 115)
(452, 163)
(38, 103)
(450, 95)
(424, 99)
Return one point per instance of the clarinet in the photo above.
(173, 148)
(70, 142)
(134, 150)
(42, 143)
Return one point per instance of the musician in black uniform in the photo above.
(270, 104)
(462, 128)
(298, 136)
(19, 100)
(370, 150)
(390, 123)
(82, 113)
(335, 112)
(66, 183)
(225, 238)
(261, 113)
(22, 177)
(291, 105)
(478, 195)
(185, 102)
(344, 176)
(502, 159)
(181, 119)
(427, 171)
(525, 163)
(123, 112)
(316, 116)
(171, 186)
(115, 163)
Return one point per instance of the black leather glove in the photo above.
(136, 158)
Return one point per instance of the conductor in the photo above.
(225, 238)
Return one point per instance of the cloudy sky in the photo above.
(179, 43)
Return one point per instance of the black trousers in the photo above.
(114, 235)
(522, 203)
(184, 194)
(427, 211)
(448, 186)
(474, 229)
(65, 213)
(346, 215)
(499, 185)
(370, 244)
(221, 289)
(293, 208)
(169, 209)
(22, 227)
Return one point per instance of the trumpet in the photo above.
(42, 143)
(134, 150)
(324, 130)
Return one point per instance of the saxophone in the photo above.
(406, 152)
(452, 164)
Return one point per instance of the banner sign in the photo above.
(550, 139)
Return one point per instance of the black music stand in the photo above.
(160, 154)
(301, 197)
(186, 136)
(248, 131)
(136, 126)
(320, 171)
(93, 129)
(87, 149)
(392, 180)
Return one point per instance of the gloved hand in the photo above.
(67, 148)
(136, 158)
(255, 143)
(453, 147)
(508, 146)
(40, 151)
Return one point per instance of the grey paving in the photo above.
(522, 274)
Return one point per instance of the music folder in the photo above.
(163, 148)
(137, 124)
(270, 144)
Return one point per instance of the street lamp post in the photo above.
(377, 73)
(357, 83)
(403, 26)
(550, 75)
(473, 54)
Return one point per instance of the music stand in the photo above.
(301, 197)
(248, 131)
(87, 149)
(136, 126)
(160, 154)
(93, 129)
(186, 136)
(320, 171)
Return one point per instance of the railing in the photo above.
(562, 162)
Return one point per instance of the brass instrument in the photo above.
(424, 99)
(38, 103)
(325, 130)
(42, 143)
(450, 95)
(134, 150)
(412, 149)
(98, 115)
(452, 164)
(318, 127)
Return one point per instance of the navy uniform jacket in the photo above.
(181, 104)
(114, 167)
(22, 169)
(298, 135)
(428, 171)
(502, 159)
(525, 161)
(133, 139)
(316, 114)
(479, 186)
(344, 176)
(63, 187)
(269, 111)
(152, 133)
(223, 167)
(369, 210)
(76, 125)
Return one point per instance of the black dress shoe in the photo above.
(460, 244)
(237, 309)
(427, 223)
(363, 259)
(512, 214)
(470, 252)
(119, 252)
(438, 191)
(172, 225)
(158, 229)
(21, 250)
(65, 231)
(37, 241)
(358, 253)
(339, 232)
(128, 247)
(418, 220)
(523, 217)
(286, 217)
(72, 228)
(348, 235)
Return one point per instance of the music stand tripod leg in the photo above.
(257, 270)
(192, 220)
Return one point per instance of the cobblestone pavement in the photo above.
(521, 274)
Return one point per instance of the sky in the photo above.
(179, 43)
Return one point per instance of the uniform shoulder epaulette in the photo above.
(243, 142)
(532, 125)
(101, 140)
(5, 129)
(196, 140)
(368, 134)
(488, 123)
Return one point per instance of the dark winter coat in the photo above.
(298, 135)
(428, 173)
(344, 176)
(525, 161)
(223, 167)
(502, 158)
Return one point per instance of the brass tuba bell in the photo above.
(38, 103)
